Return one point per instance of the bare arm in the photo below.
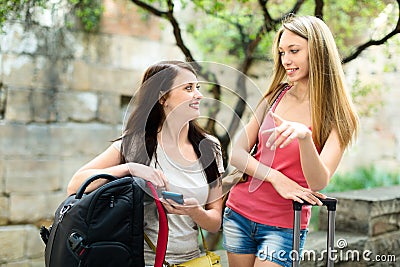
(244, 142)
(212, 218)
(242, 160)
(109, 162)
(208, 218)
(319, 168)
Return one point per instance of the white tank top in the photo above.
(183, 233)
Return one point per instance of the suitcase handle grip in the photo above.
(91, 179)
(329, 202)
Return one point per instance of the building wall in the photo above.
(378, 143)
(63, 95)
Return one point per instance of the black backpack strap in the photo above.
(91, 179)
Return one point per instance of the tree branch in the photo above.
(250, 48)
(319, 7)
(249, 45)
(216, 89)
(364, 46)
(178, 33)
(294, 10)
(269, 23)
(169, 15)
(297, 6)
(149, 8)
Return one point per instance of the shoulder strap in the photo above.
(162, 230)
(204, 240)
(287, 87)
(153, 247)
(280, 95)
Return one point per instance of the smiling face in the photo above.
(293, 51)
(184, 97)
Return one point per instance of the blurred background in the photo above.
(68, 69)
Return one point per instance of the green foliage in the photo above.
(365, 96)
(89, 12)
(239, 21)
(354, 22)
(11, 9)
(392, 50)
(223, 31)
(362, 178)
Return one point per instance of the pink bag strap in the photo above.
(280, 95)
(162, 229)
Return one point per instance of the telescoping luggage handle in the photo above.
(330, 204)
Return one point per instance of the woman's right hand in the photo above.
(289, 189)
(148, 173)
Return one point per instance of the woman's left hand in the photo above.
(285, 132)
(189, 207)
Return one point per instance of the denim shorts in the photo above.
(243, 236)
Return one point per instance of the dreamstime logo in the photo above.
(340, 254)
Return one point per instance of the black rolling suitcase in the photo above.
(330, 204)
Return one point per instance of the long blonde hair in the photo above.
(331, 105)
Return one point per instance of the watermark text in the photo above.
(340, 254)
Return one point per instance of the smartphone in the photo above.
(177, 197)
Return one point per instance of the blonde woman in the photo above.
(309, 122)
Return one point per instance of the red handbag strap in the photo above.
(162, 229)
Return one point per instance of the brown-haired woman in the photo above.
(163, 144)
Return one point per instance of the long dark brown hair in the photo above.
(139, 140)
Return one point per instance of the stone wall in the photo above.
(367, 230)
(63, 94)
(378, 142)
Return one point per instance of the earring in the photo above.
(163, 102)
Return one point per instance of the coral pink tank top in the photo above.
(259, 201)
